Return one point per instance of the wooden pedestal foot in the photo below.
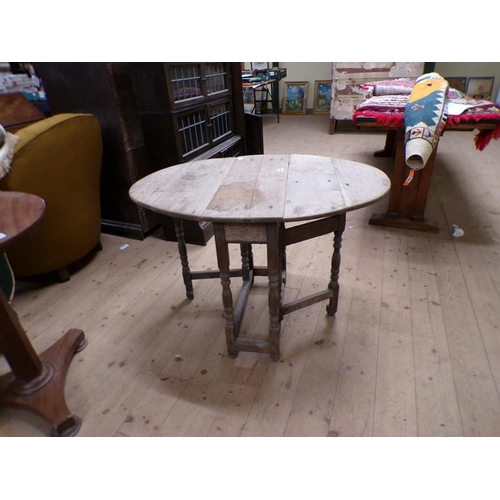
(45, 395)
(404, 223)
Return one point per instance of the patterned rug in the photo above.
(424, 119)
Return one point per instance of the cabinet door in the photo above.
(203, 127)
(220, 121)
(192, 83)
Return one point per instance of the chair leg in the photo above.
(63, 275)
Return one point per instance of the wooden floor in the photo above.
(414, 349)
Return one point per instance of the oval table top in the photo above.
(261, 188)
(19, 214)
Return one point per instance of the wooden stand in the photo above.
(406, 203)
(265, 99)
(36, 383)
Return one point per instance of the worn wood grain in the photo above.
(261, 188)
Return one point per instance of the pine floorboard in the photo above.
(414, 349)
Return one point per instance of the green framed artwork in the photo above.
(322, 97)
(295, 98)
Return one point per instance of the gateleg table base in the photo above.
(276, 237)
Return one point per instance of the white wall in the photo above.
(305, 72)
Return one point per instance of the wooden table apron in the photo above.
(249, 199)
(36, 383)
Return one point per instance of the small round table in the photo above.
(249, 199)
(36, 383)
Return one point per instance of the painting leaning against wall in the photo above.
(295, 98)
(322, 97)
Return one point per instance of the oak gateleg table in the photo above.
(249, 199)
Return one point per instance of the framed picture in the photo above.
(295, 98)
(259, 66)
(322, 97)
(457, 82)
(480, 87)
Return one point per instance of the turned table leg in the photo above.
(273, 267)
(246, 261)
(186, 271)
(331, 308)
(227, 296)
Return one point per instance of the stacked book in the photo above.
(18, 83)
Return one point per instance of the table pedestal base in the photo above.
(406, 204)
(44, 395)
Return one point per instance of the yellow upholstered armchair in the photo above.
(58, 159)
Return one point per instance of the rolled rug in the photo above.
(424, 119)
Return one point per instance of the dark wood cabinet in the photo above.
(105, 90)
(152, 116)
(193, 109)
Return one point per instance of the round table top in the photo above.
(19, 214)
(261, 188)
